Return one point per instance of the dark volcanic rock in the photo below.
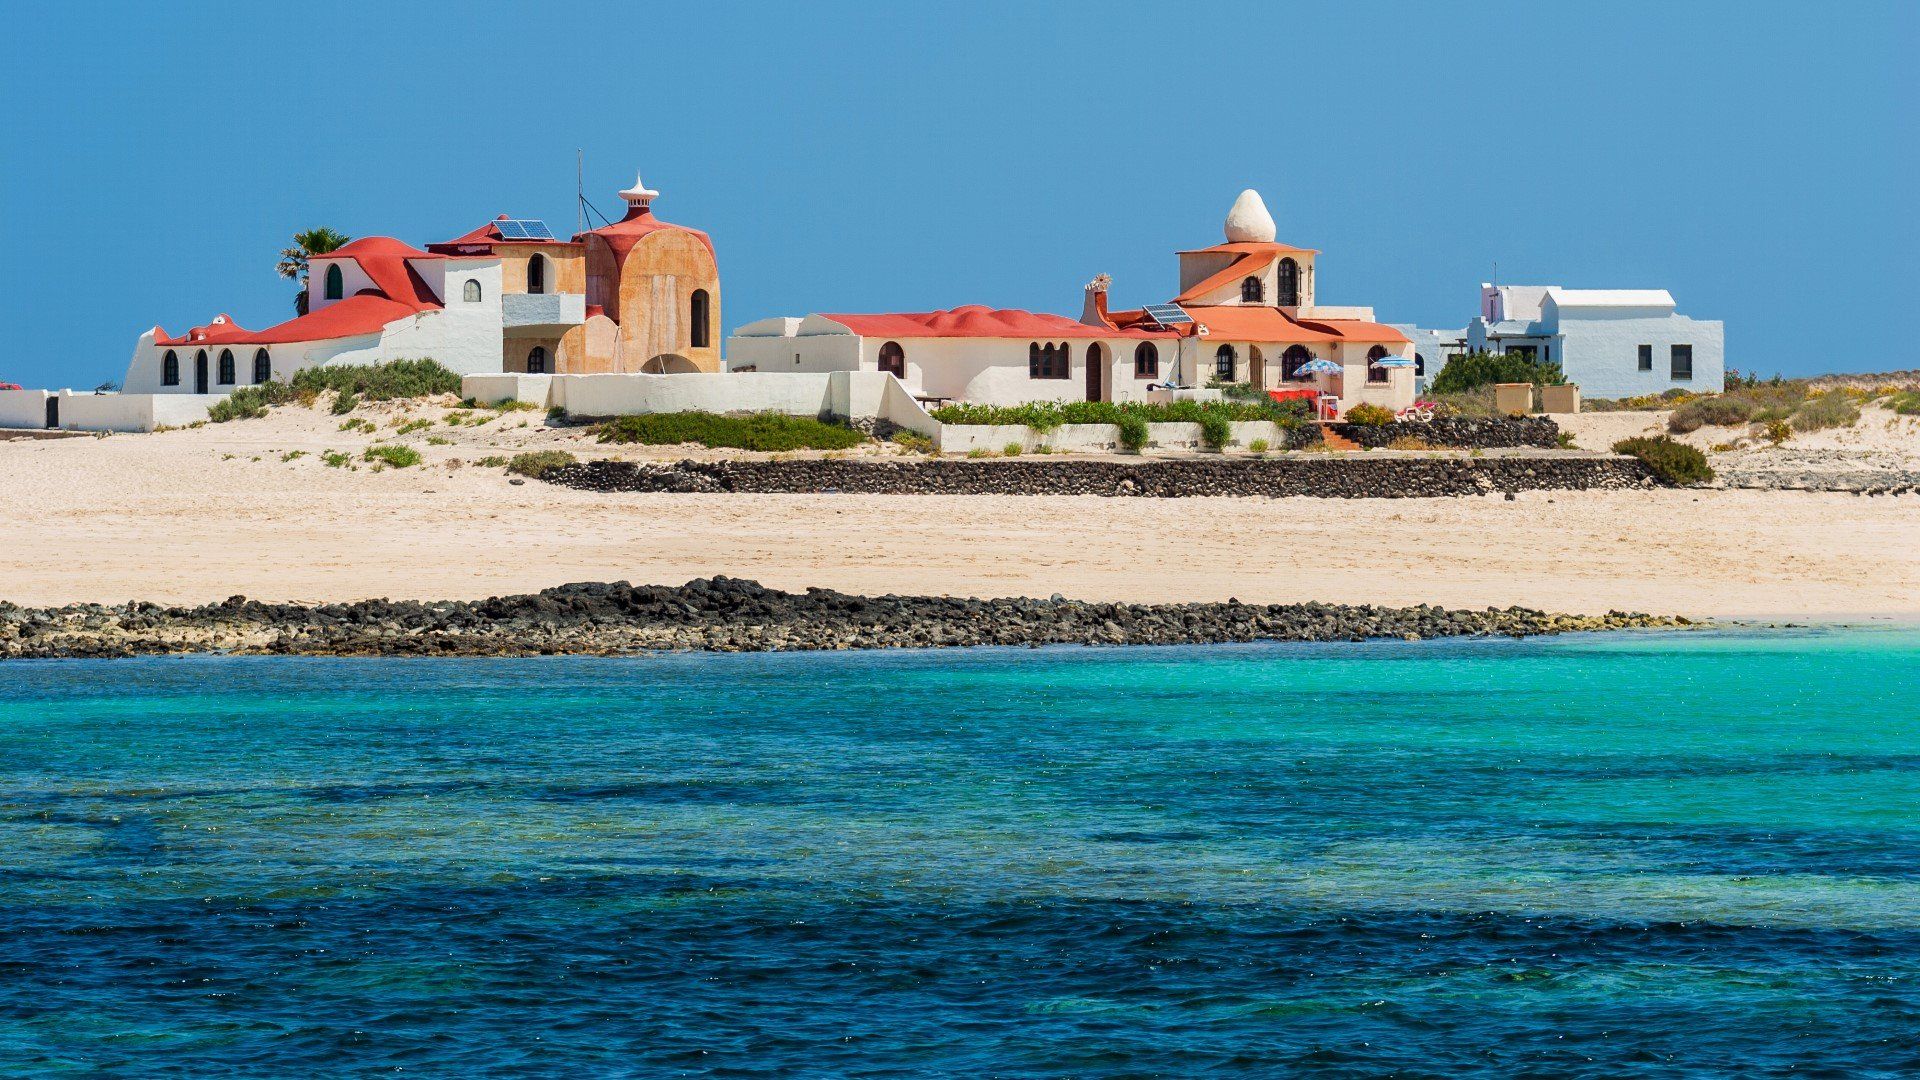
(1315, 475)
(726, 615)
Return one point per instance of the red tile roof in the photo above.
(399, 291)
(365, 312)
(980, 321)
(481, 241)
(1249, 247)
(388, 262)
(221, 331)
(1245, 266)
(639, 223)
(1254, 322)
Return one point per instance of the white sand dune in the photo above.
(200, 515)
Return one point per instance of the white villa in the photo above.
(637, 295)
(1246, 313)
(1612, 343)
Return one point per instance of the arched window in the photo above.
(1146, 360)
(537, 358)
(1419, 365)
(1048, 361)
(537, 274)
(1375, 372)
(893, 359)
(1251, 291)
(1289, 285)
(262, 367)
(336, 282)
(1291, 360)
(226, 367)
(1224, 361)
(170, 369)
(470, 292)
(702, 334)
(200, 372)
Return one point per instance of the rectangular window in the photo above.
(1646, 358)
(1683, 361)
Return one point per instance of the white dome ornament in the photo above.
(1248, 222)
(639, 195)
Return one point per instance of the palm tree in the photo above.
(293, 260)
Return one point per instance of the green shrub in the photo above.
(249, 402)
(1832, 409)
(1367, 414)
(491, 461)
(758, 431)
(1778, 431)
(1905, 402)
(556, 412)
(1259, 446)
(1013, 449)
(292, 455)
(913, 440)
(345, 403)
(1719, 411)
(412, 426)
(1674, 462)
(1133, 432)
(1215, 431)
(336, 459)
(538, 463)
(1475, 370)
(979, 452)
(379, 382)
(398, 457)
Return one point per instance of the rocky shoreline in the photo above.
(726, 615)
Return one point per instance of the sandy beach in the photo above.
(249, 508)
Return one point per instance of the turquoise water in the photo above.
(1584, 856)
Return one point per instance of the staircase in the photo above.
(1335, 440)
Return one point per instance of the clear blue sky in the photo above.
(1758, 159)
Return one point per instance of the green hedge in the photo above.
(757, 431)
(379, 382)
(249, 402)
(1674, 462)
(1474, 370)
(1047, 415)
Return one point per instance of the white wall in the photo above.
(854, 395)
(1601, 355)
(23, 408)
(1095, 438)
(352, 280)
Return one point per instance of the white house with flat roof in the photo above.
(1612, 343)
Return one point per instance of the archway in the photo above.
(200, 372)
(893, 360)
(1096, 372)
(669, 364)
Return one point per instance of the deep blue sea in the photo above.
(1591, 856)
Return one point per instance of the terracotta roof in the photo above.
(1245, 266)
(221, 331)
(639, 223)
(388, 262)
(1359, 330)
(365, 312)
(980, 321)
(1249, 247)
(481, 241)
(1254, 322)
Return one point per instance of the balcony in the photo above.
(542, 311)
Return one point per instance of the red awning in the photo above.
(1304, 394)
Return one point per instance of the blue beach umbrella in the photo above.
(1393, 361)
(1318, 367)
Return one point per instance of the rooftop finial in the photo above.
(639, 195)
(1248, 222)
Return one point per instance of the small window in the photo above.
(1646, 358)
(226, 367)
(537, 360)
(537, 274)
(1251, 291)
(1048, 361)
(702, 334)
(1289, 286)
(893, 360)
(1292, 359)
(1376, 372)
(1224, 360)
(262, 367)
(470, 292)
(1146, 360)
(1682, 362)
(1419, 365)
(170, 369)
(336, 282)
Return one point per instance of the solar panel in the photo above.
(522, 229)
(1167, 314)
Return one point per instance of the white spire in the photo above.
(1248, 222)
(639, 194)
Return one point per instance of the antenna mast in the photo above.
(579, 190)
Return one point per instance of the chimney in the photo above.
(1094, 313)
(639, 197)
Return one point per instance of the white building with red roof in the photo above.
(637, 295)
(1246, 313)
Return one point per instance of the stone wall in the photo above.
(1464, 432)
(1326, 477)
